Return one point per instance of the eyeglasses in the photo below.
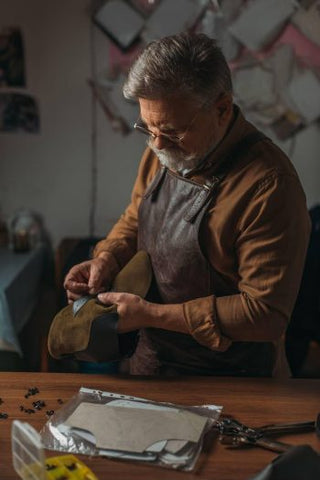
(141, 127)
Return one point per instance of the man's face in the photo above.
(200, 128)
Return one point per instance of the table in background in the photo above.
(252, 401)
(20, 276)
(24, 281)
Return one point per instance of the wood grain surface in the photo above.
(252, 401)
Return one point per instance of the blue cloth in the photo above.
(20, 278)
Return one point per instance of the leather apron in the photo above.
(171, 215)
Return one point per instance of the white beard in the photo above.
(176, 159)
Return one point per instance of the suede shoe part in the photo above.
(72, 331)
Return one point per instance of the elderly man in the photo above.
(221, 212)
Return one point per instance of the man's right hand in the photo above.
(87, 278)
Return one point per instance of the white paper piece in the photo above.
(281, 62)
(126, 109)
(254, 87)
(175, 459)
(88, 437)
(304, 91)
(156, 447)
(171, 446)
(134, 430)
(266, 117)
(121, 21)
(261, 21)
(172, 17)
(111, 94)
(308, 22)
(231, 9)
(174, 446)
(214, 25)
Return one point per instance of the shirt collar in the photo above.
(239, 128)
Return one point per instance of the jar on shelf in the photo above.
(25, 231)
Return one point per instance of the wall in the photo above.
(51, 172)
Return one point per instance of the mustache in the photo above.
(167, 150)
(176, 159)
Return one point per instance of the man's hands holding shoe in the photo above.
(86, 332)
(90, 277)
(95, 276)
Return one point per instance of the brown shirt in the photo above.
(255, 236)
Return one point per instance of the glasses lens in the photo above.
(145, 131)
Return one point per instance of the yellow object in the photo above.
(67, 467)
(30, 462)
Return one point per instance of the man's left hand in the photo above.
(133, 311)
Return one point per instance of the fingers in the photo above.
(95, 291)
(75, 290)
(109, 298)
(132, 310)
(97, 281)
(79, 272)
(77, 278)
(72, 297)
(76, 287)
(89, 277)
(83, 279)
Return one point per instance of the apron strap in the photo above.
(202, 199)
(154, 186)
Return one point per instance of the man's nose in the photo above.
(160, 142)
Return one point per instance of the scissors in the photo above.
(236, 434)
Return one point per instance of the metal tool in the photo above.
(236, 434)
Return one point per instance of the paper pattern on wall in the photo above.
(172, 17)
(305, 50)
(268, 44)
(307, 21)
(304, 90)
(18, 113)
(12, 61)
(214, 25)
(261, 21)
(120, 21)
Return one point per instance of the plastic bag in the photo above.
(63, 433)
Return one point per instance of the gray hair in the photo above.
(183, 64)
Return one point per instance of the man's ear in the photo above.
(225, 108)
